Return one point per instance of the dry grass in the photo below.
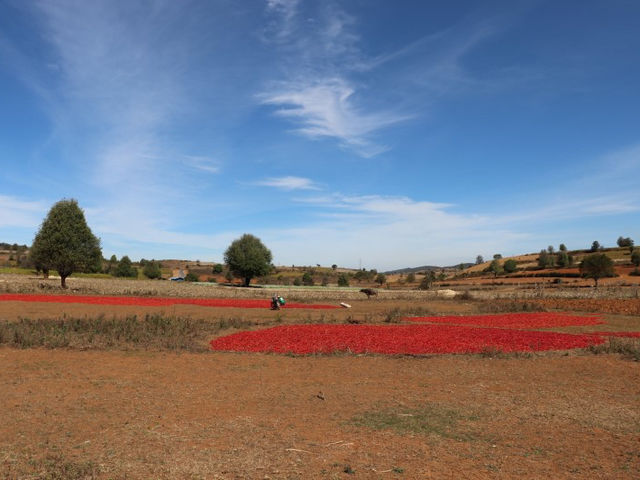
(152, 332)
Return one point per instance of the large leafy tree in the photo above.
(597, 266)
(65, 242)
(247, 257)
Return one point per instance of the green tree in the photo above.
(597, 266)
(125, 268)
(495, 267)
(343, 280)
(65, 242)
(635, 259)
(427, 280)
(479, 260)
(334, 267)
(625, 242)
(217, 269)
(152, 269)
(545, 260)
(510, 266)
(247, 257)
(562, 247)
(595, 246)
(497, 256)
(381, 279)
(411, 277)
(191, 277)
(111, 264)
(307, 279)
(564, 259)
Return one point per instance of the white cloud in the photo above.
(289, 183)
(325, 108)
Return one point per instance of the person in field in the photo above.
(276, 302)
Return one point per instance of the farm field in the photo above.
(134, 408)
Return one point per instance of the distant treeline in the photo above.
(12, 246)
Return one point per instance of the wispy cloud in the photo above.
(322, 98)
(325, 108)
(289, 183)
(286, 11)
(202, 163)
(328, 96)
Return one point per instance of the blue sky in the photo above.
(362, 132)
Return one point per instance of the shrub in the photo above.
(307, 279)
(510, 266)
(152, 270)
(343, 281)
(191, 277)
(125, 268)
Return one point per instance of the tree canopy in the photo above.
(65, 242)
(125, 268)
(247, 257)
(510, 265)
(597, 266)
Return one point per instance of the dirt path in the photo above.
(236, 416)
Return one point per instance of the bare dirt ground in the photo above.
(152, 414)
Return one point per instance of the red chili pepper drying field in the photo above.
(397, 339)
(513, 320)
(155, 301)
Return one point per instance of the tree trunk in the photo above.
(63, 279)
(247, 281)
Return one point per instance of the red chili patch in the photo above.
(397, 339)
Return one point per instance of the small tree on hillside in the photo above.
(125, 268)
(510, 266)
(428, 280)
(247, 257)
(564, 259)
(411, 277)
(635, 259)
(191, 277)
(381, 279)
(307, 279)
(595, 246)
(597, 266)
(562, 247)
(65, 242)
(479, 260)
(497, 256)
(545, 260)
(343, 280)
(152, 270)
(624, 242)
(217, 269)
(495, 267)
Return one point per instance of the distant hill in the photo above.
(424, 268)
